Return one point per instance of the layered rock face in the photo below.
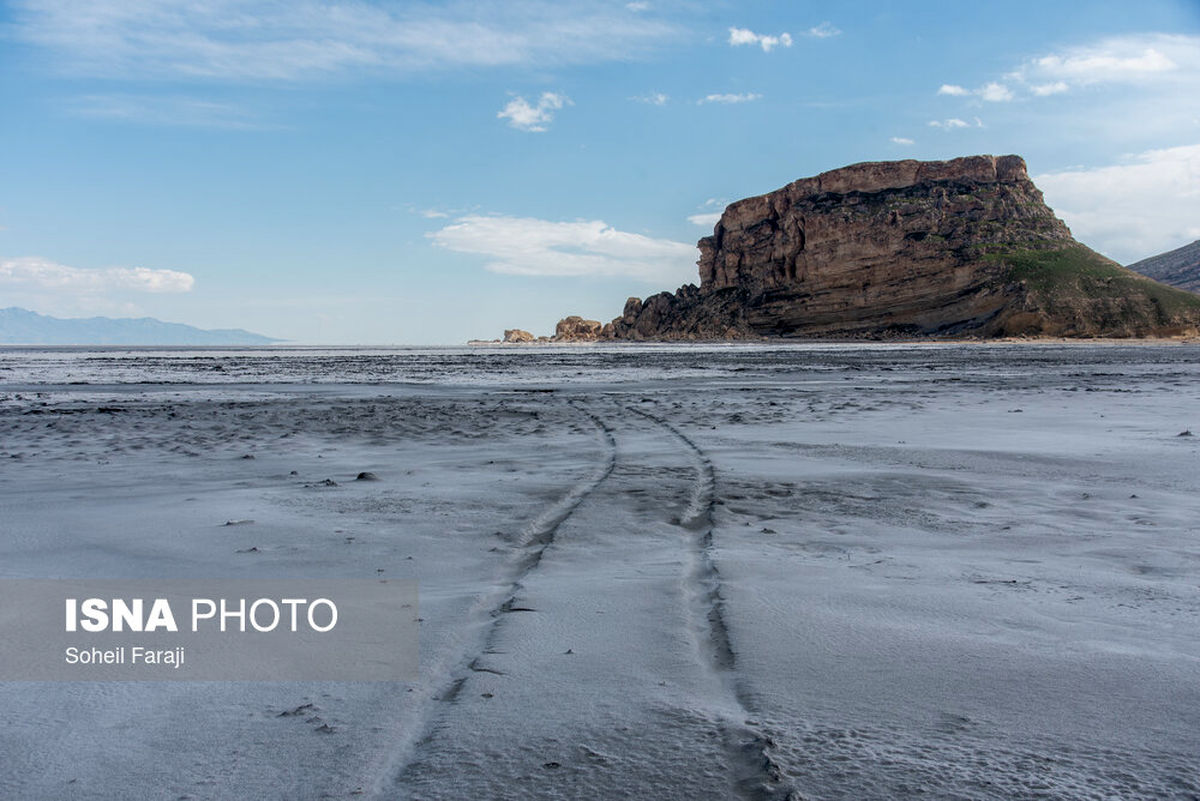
(905, 248)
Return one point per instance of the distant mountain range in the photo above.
(23, 327)
(1179, 267)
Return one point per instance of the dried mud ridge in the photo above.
(529, 544)
(756, 774)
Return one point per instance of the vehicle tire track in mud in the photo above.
(536, 535)
(529, 545)
(756, 775)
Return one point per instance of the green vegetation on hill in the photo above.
(1086, 294)
(1075, 270)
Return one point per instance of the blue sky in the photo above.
(426, 173)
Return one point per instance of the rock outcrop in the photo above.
(942, 248)
(516, 335)
(577, 329)
(1179, 267)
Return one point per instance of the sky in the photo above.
(428, 173)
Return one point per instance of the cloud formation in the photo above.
(1146, 205)
(824, 31)
(995, 93)
(992, 92)
(902, 140)
(951, 124)
(525, 117)
(1117, 94)
(1124, 59)
(530, 246)
(745, 36)
(744, 97)
(652, 99)
(1156, 60)
(36, 273)
(1046, 89)
(707, 219)
(275, 41)
(165, 110)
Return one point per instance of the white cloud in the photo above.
(823, 31)
(995, 93)
(902, 140)
(1146, 205)
(950, 124)
(1150, 83)
(525, 117)
(954, 90)
(745, 36)
(41, 274)
(992, 92)
(1111, 95)
(652, 99)
(707, 219)
(1114, 60)
(745, 97)
(1143, 60)
(637, 6)
(528, 246)
(1046, 89)
(253, 40)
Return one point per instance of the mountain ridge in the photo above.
(24, 327)
(1179, 267)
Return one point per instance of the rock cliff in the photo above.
(965, 247)
(518, 336)
(576, 329)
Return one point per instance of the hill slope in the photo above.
(1179, 267)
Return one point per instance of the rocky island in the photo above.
(901, 249)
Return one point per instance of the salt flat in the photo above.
(823, 572)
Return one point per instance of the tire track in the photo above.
(529, 545)
(756, 775)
